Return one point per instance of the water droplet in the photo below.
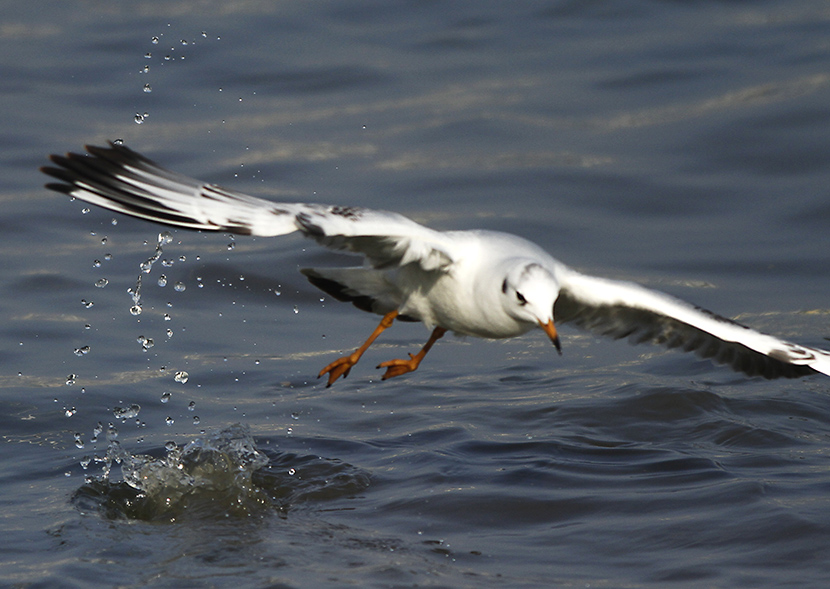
(108, 257)
(170, 446)
(135, 310)
(146, 342)
(180, 287)
(70, 412)
(196, 420)
(96, 263)
(112, 433)
(182, 258)
(296, 309)
(191, 406)
(125, 413)
(162, 281)
(147, 87)
(154, 40)
(86, 304)
(104, 240)
(169, 333)
(165, 397)
(167, 317)
(82, 351)
(231, 246)
(181, 377)
(102, 282)
(169, 421)
(114, 220)
(292, 472)
(139, 118)
(84, 211)
(148, 55)
(144, 70)
(70, 380)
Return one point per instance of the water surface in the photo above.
(682, 145)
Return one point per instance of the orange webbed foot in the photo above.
(398, 367)
(338, 368)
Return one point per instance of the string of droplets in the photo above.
(164, 238)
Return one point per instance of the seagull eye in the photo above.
(521, 297)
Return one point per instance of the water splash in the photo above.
(146, 266)
(213, 472)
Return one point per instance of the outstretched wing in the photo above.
(623, 309)
(119, 179)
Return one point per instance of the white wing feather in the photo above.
(122, 180)
(624, 309)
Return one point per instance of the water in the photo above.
(683, 145)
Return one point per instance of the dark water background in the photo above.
(685, 145)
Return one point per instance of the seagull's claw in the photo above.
(338, 368)
(398, 367)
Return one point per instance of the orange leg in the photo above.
(398, 367)
(342, 366)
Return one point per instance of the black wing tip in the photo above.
(62, 188)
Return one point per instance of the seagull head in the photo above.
(529, 291)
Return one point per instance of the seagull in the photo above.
(477, 283)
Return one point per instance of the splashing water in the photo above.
(212, 470)
(164, 238)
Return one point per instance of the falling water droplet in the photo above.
(181, 377)
(165, 397)
(125, 413)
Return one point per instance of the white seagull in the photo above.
(477, 283)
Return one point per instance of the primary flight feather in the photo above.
(479, 283)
